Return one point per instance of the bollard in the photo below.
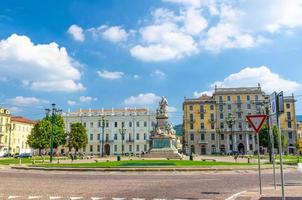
(191, 157)
(248, 160)
(118, 158)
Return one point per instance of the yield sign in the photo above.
(256, 121)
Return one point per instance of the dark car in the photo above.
(24, 155)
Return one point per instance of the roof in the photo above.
(22, 120)
(114, 110)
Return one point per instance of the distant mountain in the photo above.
(178, 129)
(299, 118)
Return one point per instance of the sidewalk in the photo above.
(292, 192)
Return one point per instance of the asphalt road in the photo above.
(160, 185)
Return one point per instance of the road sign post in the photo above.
(256, 121)
(272, 122)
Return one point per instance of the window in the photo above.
(290, 135)
(115, 147)
(256, 98)
(229, 106)
(201, 116)
(230, 137)
(137, 148)
(239, 116)
(107, 124)
(220, 98)
(191, 117)
(220, 107)
(190, 107)
(248, 106)
(201, 126)
(98, 148)
(130, 147)
(229, 98)
(137, 136)
(288, 106)
(212, 116)
(221, 115)
(212, 136)
(84, 124)
(145, 124)
(240, 137)
(202, 136)
(99, 136)
(222, 136)
(212, 126)
(137, 124)
(115, 124)
(250, 137)
(115, 136)
(211, 107)
(99, 123)
(238, 99)
(248, 98)
(238, 106)
(123, 124)
(91, 136)
(192, 137)
(251, 147)
(91, 148)
(130, 124)
(107, 137)
(288, 116)
(191, 126)
(201, 108)
(145, 147)
(289, 124)
(145, 136)
(91, 124)
(240, 125)
(221, 125)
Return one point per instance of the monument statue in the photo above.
(163, 137)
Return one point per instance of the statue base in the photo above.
(163, 147)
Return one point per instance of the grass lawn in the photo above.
(8, 161)
(147, 163)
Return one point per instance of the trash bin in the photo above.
(191, 157)
(118, 158)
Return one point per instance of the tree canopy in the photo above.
(77, 137)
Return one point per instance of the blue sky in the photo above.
(104, 54)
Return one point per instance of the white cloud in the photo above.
(110, 75)
(71, 103)
(250, 77)
(115, 34)
(25, 101)
(43, 67)
(159, 74)
(199, 94)
(76, 32)
(85, 99)
(142, 99)
(135, 76)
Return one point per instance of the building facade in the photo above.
(5, 121)
(217, 123)
(137, 125)
(21, 128)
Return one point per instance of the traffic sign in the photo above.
(256, 121)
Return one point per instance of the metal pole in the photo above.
(103, 127)
(280, 155)
(52, 133)
(259, 168)
(9, 138)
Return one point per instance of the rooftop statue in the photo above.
(163, 106)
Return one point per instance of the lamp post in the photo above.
(103, 122)
(230, 120)
(122, 132)
(9, 127)
(52, 113)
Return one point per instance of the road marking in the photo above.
(97, 198)
(75, 198)
(13, 197)
(138, 199)
(34, 197)
(116, 198)
(234, 196)
(53, 198)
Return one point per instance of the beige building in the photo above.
(217, 123)
(137, 123)
(4, 130)
(21, 128)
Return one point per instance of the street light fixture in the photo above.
(122, 131)
(230, 120)
(52, 113)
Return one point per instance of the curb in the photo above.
(150, 169)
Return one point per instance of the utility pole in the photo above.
(52, 113)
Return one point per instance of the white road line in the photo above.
(116, 198)
(138, 199)
(234, 196)
(53, 198)
(13, 197)
(159, 199)
(75, 198)
(97, 198)
(34, 197)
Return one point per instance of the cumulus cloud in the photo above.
(158, 74)
(25, 101)
(199, 94)
(43, 67)
(142, 99)
(85, 99)
(115, 34)
(110, 75)
(251, 76)
(76, 32)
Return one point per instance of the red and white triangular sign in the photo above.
(256, 121)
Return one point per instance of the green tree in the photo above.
(39, 136)
(77, 137)
(265, 140)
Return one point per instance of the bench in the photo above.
(208, 159)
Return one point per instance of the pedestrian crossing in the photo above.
(38, 197)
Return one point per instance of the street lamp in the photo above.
(230, 120)
(103, 122)
(122, 131)
(52, 113)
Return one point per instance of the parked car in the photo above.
(23, 155)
